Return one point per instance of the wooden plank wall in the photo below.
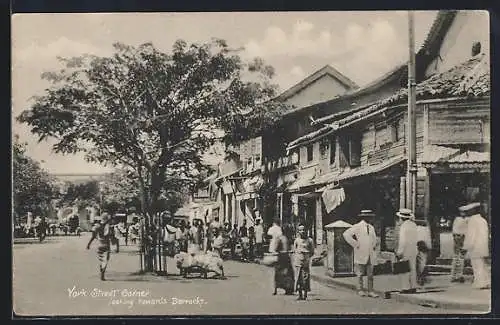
(455, 123)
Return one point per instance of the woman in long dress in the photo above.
(283, 270)
(102, 232)
(303, 248)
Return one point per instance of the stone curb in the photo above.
(412, 299)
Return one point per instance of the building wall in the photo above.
(459, 123)
(323, 89)
(467, 28)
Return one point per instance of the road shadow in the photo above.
(33, 242)
(117, 276)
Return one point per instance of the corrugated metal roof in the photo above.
(304, 179)
(471, 157)
(433, 153)
(366, 170)
(469, 79)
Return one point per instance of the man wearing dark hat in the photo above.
(363, 239)
(408, 249)
(476, 244)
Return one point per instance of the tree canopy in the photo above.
(152, 112)
(82, 194)
(33, 188)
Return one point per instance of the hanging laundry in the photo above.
(333, 198)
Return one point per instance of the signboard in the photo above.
(343, 257)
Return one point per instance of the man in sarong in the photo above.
(303, 249)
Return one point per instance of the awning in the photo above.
(304, 179)
(456, 159)
(433, 153)
(367, 170)
(332, 198)
(250, 187)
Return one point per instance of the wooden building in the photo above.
(368, 149)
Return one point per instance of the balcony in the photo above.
(281, 163)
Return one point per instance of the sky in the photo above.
(361, 45)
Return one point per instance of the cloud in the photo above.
(363, 50)
(62, 47)
(302, 40)
(297, 71)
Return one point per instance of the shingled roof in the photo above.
(469, 79)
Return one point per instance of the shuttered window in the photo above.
(310, 153)
(333, 150)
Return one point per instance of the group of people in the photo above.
(293, 259)
(34, 227)
(414, 249)
(471, 238)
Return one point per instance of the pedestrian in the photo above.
(251, 243)
(459, 229)
(169, 234)
(134, 230)
(303, 249)
(424, 246)
(275, 232)
(283, 270)
(218, 242)
(182, 236)
(408, 249)
(102, 232)
(201, 235)
(42, 229)
(245, 241)
(115, 234)
(193, 238)
(476, 244)
(362, 237)
(276, 228)
(234, 240)
(259, 237)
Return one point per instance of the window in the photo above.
(333, 150)
(323, 147)
(310, 152)
(382, 135)
(355, 150)
(394, 132)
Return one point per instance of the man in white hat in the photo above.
(407, 249)
(476, 244)
(363, 239)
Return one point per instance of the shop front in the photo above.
(459, 178)
(377, 188)
(248, 199)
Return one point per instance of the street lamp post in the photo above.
(411, 178)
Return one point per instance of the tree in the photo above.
(82, 194)
(153, 112)
(33, 187)
(120, 191)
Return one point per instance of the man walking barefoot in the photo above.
(102, 231)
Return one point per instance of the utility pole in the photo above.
(411, 178)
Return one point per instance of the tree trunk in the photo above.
(146, 245)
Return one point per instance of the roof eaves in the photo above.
(437, 32)
(326, 70)
(470, 75)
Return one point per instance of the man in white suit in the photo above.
(363, 239)
(476, 244)
(407, 249)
